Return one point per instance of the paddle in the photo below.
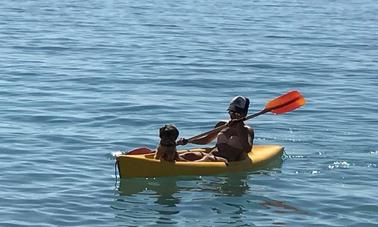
(280, 105)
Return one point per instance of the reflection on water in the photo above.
(233, 184)
(166, 194)
(226, 185)
(165, 197)
(280, 206)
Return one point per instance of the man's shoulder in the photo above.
(250, 129)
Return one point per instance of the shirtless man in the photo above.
(233, 142)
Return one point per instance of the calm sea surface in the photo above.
(82, 79)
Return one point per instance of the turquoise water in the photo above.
(82, 79)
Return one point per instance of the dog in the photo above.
(166, 150)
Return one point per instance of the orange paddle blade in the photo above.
(285, 103)
(290, 106)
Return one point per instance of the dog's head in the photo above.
(168, 135)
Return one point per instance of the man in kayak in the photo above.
(233, 142)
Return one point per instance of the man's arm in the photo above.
(209, 137)
(204, 139)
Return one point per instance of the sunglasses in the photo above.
(233, 112)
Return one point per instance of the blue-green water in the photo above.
(82, 79)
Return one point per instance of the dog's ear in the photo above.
(161, 131)
(176, 132)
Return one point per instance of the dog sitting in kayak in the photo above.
(166, 149)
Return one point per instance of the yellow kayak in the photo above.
(144, 165)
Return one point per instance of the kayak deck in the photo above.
(144, 165)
